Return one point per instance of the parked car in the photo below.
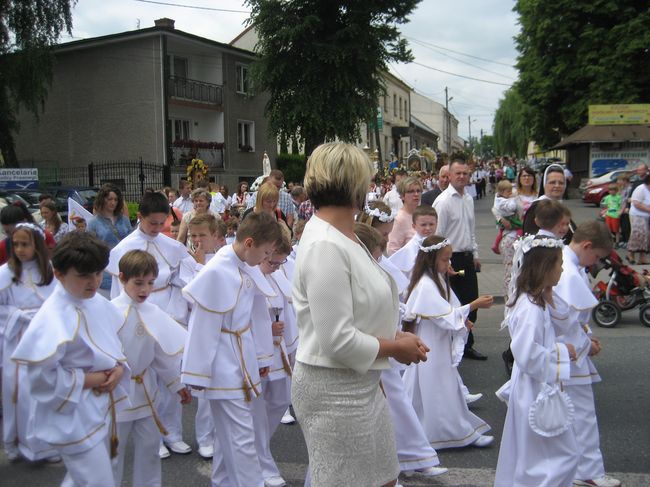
(603, 178)
(9, 197)
(597, 188)
(84, 195)
(32, 195)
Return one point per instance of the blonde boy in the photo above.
(425, 221)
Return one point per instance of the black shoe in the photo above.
(473, 354)
(507, 362)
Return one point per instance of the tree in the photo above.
(574, 53)
(28, 29)
(512, 124)
(321, 61)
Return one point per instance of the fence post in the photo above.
(91, 175)
(141, 177)
(167, 175)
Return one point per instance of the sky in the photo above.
(473, 38)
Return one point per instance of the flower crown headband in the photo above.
(32, 227)
(380, 215)
(437, 246)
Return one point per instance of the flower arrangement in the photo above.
(197, 144)
(196, 170)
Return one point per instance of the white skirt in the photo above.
(347, 427)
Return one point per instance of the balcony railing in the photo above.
(193, 90)
(182, 156)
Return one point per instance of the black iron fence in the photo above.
(131, 176)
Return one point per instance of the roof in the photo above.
(606, 133)
(423, 126)
(146, 32)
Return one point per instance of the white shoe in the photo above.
(483, 441)
(12, 453)
(53, 459)
(604, 481)
(470, 398)
(427, 472)
(163, 452)
(179, 447)
(276, 481)
(287, 418)
(206, 452)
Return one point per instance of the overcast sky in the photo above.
(480, 28)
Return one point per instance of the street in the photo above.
(622, 402)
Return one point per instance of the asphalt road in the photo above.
(622, 404)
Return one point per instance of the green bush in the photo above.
(293, 166)
(133, 211)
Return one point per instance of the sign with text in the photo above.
(638, 114)
(18, 178)
(602, 161)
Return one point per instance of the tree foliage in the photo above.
(28, 28)
(573, 53)
(321, 61)
(512, 124)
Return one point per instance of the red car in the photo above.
(597, 188)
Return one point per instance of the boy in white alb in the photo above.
(591, 242)
(425, 220)
(153, 344)
(169, 253)
(269, 409)
(230, 346)
(77, 372)
(208, 236)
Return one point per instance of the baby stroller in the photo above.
(625, 289)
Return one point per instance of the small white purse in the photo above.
(552, 412)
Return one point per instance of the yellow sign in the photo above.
(638, 114)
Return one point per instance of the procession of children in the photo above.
(83, 375)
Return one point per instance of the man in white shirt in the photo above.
(184, 202)
(456, 222)
(392, 198)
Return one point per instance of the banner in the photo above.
(77, 214)
(17, 178)
(638, 114)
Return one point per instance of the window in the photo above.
(246, 136)
(243, 79)
(394, 105)
(178, 66)
(406, 111)
(181, 129)
(400, 107)
(385, 104)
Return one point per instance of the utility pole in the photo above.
(482, 149)
(447, 124)
(469, 121)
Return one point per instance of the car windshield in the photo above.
(31, 198)
(88, 194)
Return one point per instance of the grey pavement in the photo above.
(622, 402)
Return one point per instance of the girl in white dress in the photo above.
(26, 281)
(436, 315)
(528, 458)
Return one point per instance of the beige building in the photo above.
(439, 119)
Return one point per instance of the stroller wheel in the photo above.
(644, 314)
(607, 314)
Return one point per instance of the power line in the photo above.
(460, 75)
(461, 53)
(464, 62)
(169, 4)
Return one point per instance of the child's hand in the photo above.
(277, 328)
(92, 380)
(199, 253)
(469, 325)
(113, 377)
(483, 302)
(186, 397)
(595, 347)
(572, 351)
(264, 371)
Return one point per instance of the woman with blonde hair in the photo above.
(410, 190)
(346, 319)
(266, 201)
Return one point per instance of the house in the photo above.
(159, 95)
(438, 118)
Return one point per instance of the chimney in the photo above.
(164, 23)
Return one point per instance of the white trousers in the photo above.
(235, 462)
(90, 468)
(413, 448)
(170, 412)
(267, 413)
(203, 424)
(146, 461)
(585, 425)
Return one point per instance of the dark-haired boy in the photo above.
(153, 344)
(152, 213)
(77, 372)
(230, 346)
(591, 241)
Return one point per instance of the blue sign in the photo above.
(602, 166)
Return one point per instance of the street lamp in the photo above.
(469, 121)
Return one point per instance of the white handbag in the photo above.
(552, 412)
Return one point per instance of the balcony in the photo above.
(183, 151)
(195, 91)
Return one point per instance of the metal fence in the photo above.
(131, 176)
